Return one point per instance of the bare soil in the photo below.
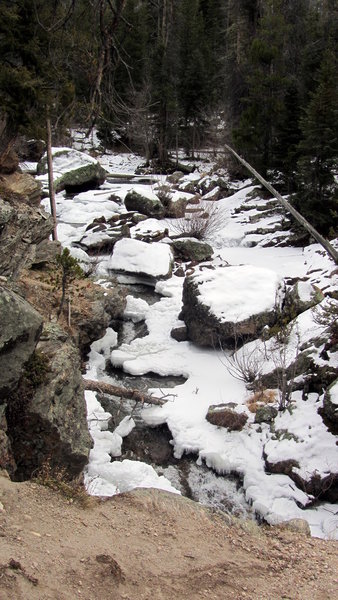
(150, 545)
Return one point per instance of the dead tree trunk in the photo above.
(51, 178)
(115, 390)
(315, 234)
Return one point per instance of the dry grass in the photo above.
(56, 478)
(260, 398)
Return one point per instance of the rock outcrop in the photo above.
(46, 414)
(20, 327)
(23, 224)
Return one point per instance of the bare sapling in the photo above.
(206, 220)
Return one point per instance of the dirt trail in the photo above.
(150, 545)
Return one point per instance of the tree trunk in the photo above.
(116, 390)
(50, 178)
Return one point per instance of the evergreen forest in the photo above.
(155, 76)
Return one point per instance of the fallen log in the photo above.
(130, 394)
(315, 234)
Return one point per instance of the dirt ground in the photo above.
(150, 545)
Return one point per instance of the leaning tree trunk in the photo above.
(315, 234)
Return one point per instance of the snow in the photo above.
(300, 441)
(248, 286)
(237, 293)
(135, 256)
(136, 309)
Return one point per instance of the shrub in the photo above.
(56, 478)
(206, 220)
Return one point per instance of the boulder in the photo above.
(47, 412)
(214, 195)
(330, 404)
(323, 486)
(296, 525)
(229, 305)
(265, 414)
(21, 187)
(154, 261)
(223, 416)
(101, 235)
(190, 249)
(23, 225)
(146, 205)
(73, 171)
(302, 296)
(94, 312)
(46, 252)
(179, 334)
(20, 327)
(175, 177)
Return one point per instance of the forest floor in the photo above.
(150, 545)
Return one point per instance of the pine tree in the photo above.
(256, 133)
(317, 197)
(193, 80)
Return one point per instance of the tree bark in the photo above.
(50, 178)
(116, 390)
(315, 234)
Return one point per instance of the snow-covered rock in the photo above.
(192, 249)
(227, 304)
(72, 170)
(145, 203)
(139, 258)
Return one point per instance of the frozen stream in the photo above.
(206, 452)
(151, 445)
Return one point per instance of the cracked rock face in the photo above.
(23, 225)
(47, 413)
(20, 327)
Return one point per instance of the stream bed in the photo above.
(152, 445)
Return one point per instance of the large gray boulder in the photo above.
(228, 305)
(190, 249)
(20, 327)
(146, 205)
(73, 170)
(47, 412)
